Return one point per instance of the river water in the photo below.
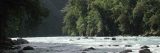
(78, 44)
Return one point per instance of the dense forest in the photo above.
(19, 17)
(112, 17)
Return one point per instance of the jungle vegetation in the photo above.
(20, 17)
(112, 17)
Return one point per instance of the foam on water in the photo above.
(108, 44)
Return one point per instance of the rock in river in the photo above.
(20, 41)
(28, 48)
(126, 51)
(88, 49)
(144, 49)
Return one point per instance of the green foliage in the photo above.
(21, 16)
(94, 23)
(124, 24)
(74, 10)
(111, 17)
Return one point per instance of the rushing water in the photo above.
(70, 44)
(92, 40)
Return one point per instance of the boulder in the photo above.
(6, 43)
(109, 45)
(20, 41)
(126, 51)
(92, 48)
(116, 45)
(88, 49)
(113, 38)
(157, 45)
(128, 45)
(1, 51)
(144, 47)
(28, 48)
(145, 51)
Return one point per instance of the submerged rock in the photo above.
(84, 52)
(28, 48)
(115, 45)
(106, 38)
(109, 45)
(70, 39)
(21, 51)
(88, 49)
(78, 38)
(125, 39)
(86, 38)
(128, 45)
(16, 47)
(100, 45)
(126, 51)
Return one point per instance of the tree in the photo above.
(114, 17)
(20, 15)
(94, 23)
(74, 10)
(124, 24)
(154, 23)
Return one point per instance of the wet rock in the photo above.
(144, 49)
(16, 47)
(47, 50)
(115, 45)
(157, 45)
(70, 39)
(92, 48)
(92, 38)
(78, 38)
(125, 39)
(1, 51)
(86, 38)
(128, 45)
(84, 52)
(28, 48)
(126, 51)
(5, 43)
(113, 38)
(107, 38)
(20, 41)
(100, 45)
(20, 51)
(88, 49)
(109, 45)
